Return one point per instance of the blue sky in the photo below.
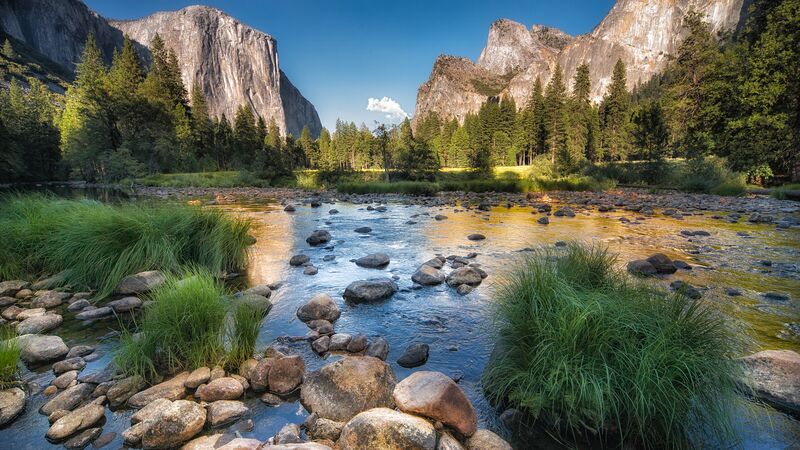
(340, 53)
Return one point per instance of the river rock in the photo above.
(414, 356)
(125, 304)
(77, 364)
(685, 289)
(286, 374)
(7, 301)
(436, 396)
(37, 348)
(78, 305)
(80, 419)
(368, 291)
(775, 378)
(339, 342)
(321, 306)
(140, 283)
(39, 324)
(342, 389)
(65, 379)
(28, 313)
(318, 237)
(50, 299)
(448, 442)
(363, 230)
(197, 377)
(289, 434)
(373, 261)
(12, 402)
(476, 237)
(321, 344)
(543, 220)
(92, 313)
(11, 312)
(310, 270)
(10, 288)
(662, 263)
(223, 412)
(259, 375)
(172, 389)
(300, 446)
(320, 428)
(123, 389)
(428, 275)
(641, 267)
(84, 438)
(387, 429)
(151, 411)
(486, 440)
(378, 348)
(464, 275)
(68, 399)
(289, 208)
(225, 388)
(178, 423)
(357, 344)
(299, 260)
(436, 263)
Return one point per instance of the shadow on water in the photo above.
(458, 329)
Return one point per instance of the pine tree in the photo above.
(202, 134)
(163, 84)
(615, 116)
(223, 142)
(245, 138)
(650, 136)
(579, 122)
(8, 50)
(309, 147)
(555, 114)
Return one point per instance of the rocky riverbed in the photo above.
(396, 293)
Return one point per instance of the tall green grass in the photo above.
(9, 356)
(247, 319)
(95, 245)
(220, 179)
(420, 188)
(182, 329)
(592, 354)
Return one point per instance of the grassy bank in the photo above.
(222, 179)
(94, 245)
(187, 326)
(589, 352)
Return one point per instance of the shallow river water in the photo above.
(457, 328)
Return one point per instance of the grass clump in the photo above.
(247, 319)
(218, 179)
(785, 191)
(9, 357)
(585, 350)
(95, 245)
(183, 328)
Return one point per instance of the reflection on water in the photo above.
(458, 329)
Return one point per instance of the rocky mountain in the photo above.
(232, 63)
(643, 33)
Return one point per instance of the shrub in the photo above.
(586, 350)
(709, 174)
(423, 188)
(95, 245)
(183, 329)
(9, 356)
(572, 183)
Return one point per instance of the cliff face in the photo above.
(232, 63)
(643, 33)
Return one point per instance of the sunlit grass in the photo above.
(218, 179)
(590, 353)
(9, 356)
(247, 318)
(95, 245)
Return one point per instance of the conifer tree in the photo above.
(555, 111)
(200, 123)
(615, 116)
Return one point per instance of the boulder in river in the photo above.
(642, 268)
(414, 356)
(387, 429)
(125, 304)
(38, 349)
(368, 291)
(476, 237)
(363, 230)
(12, 402)
(428, 275)
(171, 389)
(68, 399)
(436, 396)
(177, 423)
(464, 275)
(225, 388)
(140, 283)
(299, 260)
(49, 299)
(80, 419)
(486, 440)
(286, 374)
(775, 378)
(318, 237)
(123, 389)
(373, 261)
(321, 306)
(10, 288)
(378, 348)
(346, 387)
(662, 263)
(223, 412)
(39, 324)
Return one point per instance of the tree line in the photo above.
(738, 98)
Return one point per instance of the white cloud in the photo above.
(386, 105)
